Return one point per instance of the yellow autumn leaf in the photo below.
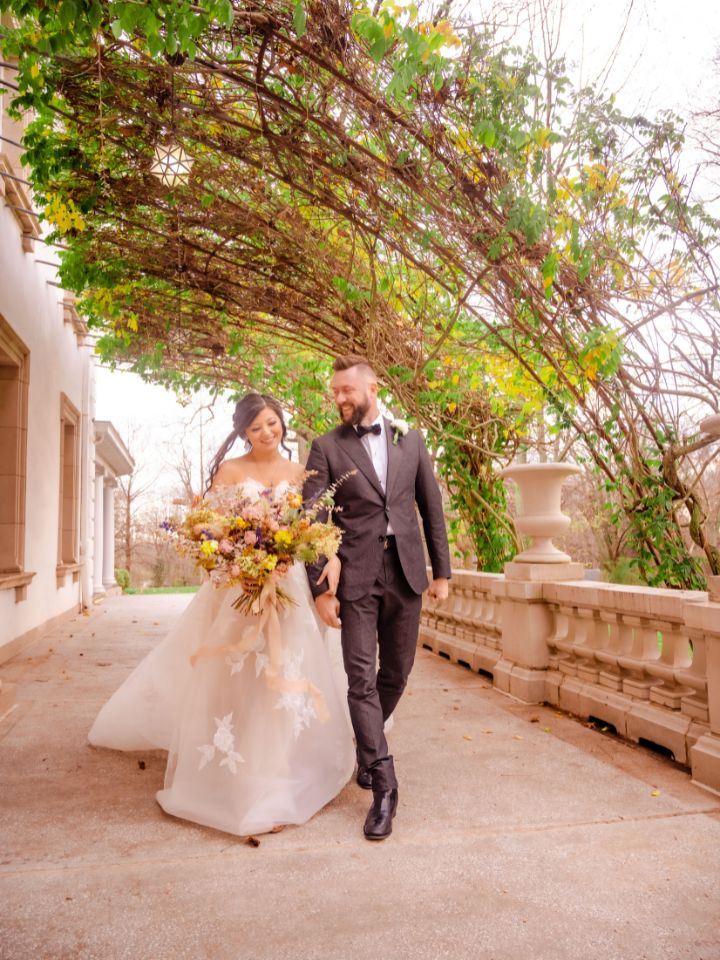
(655, 793)
(518, 737)
(132, 323)
(466, 736)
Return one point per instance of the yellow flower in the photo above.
(208, 547)
(295, 500)
(283, 537)
(238, 523)
(452, 407)
(270, 563)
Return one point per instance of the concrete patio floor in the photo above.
(521, 834)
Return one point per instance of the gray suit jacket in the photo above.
(366, 510)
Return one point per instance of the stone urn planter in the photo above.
(539, 515)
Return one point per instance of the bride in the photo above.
(242, 756)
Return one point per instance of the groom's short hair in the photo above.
(350, 360)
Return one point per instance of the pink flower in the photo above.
(234, 570)
(225, 546)
(251, 538)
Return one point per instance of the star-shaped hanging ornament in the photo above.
(172, 164)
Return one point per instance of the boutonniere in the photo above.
(399, 429)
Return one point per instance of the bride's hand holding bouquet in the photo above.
(251, 542)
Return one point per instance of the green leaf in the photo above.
(225, 13)
(67, 13)
(299, 19)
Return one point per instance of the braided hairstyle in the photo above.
(246, 410)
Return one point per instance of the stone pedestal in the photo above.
(527, 624)
(704, 618)
(543, 572)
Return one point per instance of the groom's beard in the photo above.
(356, 414)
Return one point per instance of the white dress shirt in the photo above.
(376, 446)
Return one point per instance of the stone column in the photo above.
(108, 561)
(98, 536)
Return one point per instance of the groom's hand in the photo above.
(439, 590)
(328, 608)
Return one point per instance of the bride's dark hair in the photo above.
(245, 412)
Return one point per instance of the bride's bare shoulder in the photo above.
(231, 472)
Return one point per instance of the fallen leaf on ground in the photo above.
(518, 737)
(466, 736)
(252, 842)
(141, 764)
(487, 731)
(655, 793)
(534, 719)
(278, 828)
(547, 729)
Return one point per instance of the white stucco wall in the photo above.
(33, 308)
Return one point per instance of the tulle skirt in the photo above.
(257, 730)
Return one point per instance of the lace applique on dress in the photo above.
(298, 703)
(223, 742)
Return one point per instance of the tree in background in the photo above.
(524, 264)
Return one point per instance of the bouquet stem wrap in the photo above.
(265, 605)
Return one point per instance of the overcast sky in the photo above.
(665, 61)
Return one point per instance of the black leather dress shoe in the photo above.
(378, 823)
(364, 778)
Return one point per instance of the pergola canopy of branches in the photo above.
(516, 258)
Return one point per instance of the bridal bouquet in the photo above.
(249, 541)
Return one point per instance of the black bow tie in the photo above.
(373, 428)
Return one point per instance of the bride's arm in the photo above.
(331, 573)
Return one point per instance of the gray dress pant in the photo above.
(385, 622)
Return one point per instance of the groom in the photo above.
(383, 564)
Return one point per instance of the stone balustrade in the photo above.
(467, 629)
(646, 661)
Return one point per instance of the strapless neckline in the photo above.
(252, 481)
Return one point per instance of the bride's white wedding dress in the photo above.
(245, 754)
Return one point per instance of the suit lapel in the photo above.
(355, 449)
(393, 459)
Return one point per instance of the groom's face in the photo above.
(354, 394)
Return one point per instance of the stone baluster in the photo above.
(674, 657)
(695, 703)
